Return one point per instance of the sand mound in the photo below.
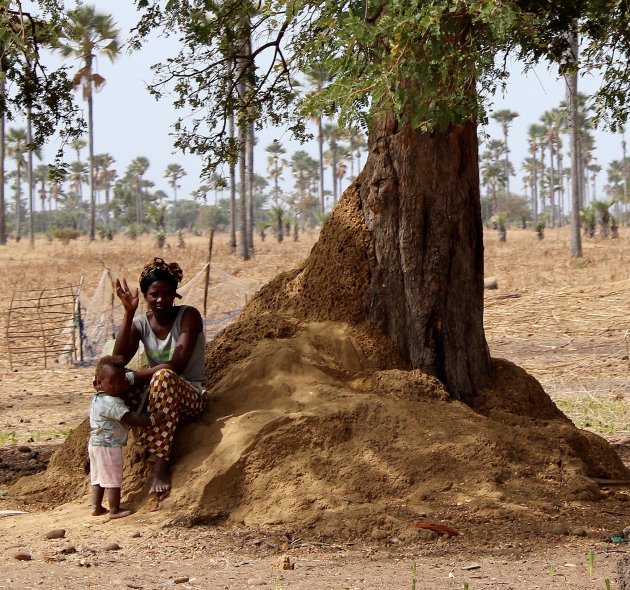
(316, 423)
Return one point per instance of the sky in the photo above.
(130, 123)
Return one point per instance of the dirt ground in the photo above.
(564, 322)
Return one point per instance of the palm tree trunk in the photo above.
(575, 245)
(625, 175)
(320, 146)
(3, 208)
(506, 162)
(552, 200)
(231, 133)
(333, 151)
(18, 202)
(91, 152)
(250, 186)
(29, 175)
(243, 135)
(535, 189)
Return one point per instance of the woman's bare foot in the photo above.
(161, 477)
(98, 510)
(119, 514)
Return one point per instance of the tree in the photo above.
(40, 177)
(27, 86)
(317, 78)
(504, 117)
(16, 148)
(173, 173)
(416, 74)
(493, 174)
(135, 172)
(87, 33)
(333, 134)
(275, 167)
(105, 176)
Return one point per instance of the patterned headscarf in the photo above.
(159, 270)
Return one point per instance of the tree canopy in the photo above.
(431, 64)
(28, 83)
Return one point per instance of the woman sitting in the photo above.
(174, 342)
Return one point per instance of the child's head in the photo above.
(110, 375)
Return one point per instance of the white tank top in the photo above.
(161, 351)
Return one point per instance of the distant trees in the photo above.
(87, 33)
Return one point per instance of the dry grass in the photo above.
(565, 321)
(562, 320)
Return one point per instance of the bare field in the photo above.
(562, 320)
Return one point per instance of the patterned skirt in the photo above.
(178, 399)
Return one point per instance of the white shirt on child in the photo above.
(106, 428)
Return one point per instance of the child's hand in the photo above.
(157, 418)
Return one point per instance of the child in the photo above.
(109, 422)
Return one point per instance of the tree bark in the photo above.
(419, 194)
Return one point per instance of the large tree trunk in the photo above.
(403, 250)
(420, 197)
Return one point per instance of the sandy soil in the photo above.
(563, 322)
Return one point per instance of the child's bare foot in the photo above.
(119, 514)
(99, 510)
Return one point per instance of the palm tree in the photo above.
(136, 171)
(551, 121)
(173, 173)
(534, 132)
(571, 79)
(317, 77)
(504, 117)
(357, 142)
(275, 166)
(16, 146)
(86, 34)
(104, 181)
(493, 171)
(333, 134)
(276, 220)
(40, 176)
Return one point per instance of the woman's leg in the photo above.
(173, 396)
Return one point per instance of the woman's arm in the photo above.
(190, 327)
(127, 339)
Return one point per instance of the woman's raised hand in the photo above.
(130, 299)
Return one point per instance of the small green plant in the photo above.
(10, 437)
(552, 570)
(34, 437)
(414, 579)
(603, 416)
(579, 263)
(607, 584)
(276, 584)
(465, 586)
(591, 561)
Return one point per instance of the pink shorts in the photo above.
(106, 466)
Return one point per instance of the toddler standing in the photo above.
(110, 419)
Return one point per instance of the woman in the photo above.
(174, 342)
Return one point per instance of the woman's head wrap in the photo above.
(158, 270)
